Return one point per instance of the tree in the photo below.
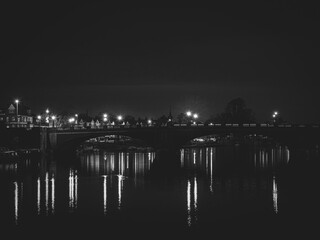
(162, 120)
(182, 118)
(236, 111)
(130, 119)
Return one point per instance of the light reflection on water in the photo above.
(105, 183)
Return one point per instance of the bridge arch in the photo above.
(175, 137)
(71, 140)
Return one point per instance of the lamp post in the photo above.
(76, 118)
(53, 119)
(195, 117)
(17, 103)
(119, 119)
(39, 119)
(274, 116)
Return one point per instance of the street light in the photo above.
(119, 118)
(53, 119)
(47, 111)
(39, 118)
(105, 117)
(17, 102)
(76, 118)
(189, 113)
(274, 116)
(71, 120)
(195, 116)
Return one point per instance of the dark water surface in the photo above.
(212, 191)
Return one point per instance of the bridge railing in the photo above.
(199, 125)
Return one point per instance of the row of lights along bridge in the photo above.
(49, 119)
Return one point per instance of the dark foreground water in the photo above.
(195, 192)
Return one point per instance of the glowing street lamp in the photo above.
(195, 116)
(47, 111)
(119, 118)
(71, 120)
(105, 117)
(189, 113)
(76, 118)
(53, 119)
(17, 103)
(275, 115)
(149, 122)
(39, 119)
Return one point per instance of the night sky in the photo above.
(144, 61)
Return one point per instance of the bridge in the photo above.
(176, 135)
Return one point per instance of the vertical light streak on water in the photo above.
(189, 203)
(38, 196)
(182, 157)
(143, 163)
(123, 164)
(194, 157)
(119, 191)
(52, 194)
(275, 195)
(76, 189)
(207, 162)
(127, 157)
(211, 170)
(71, 187)
(16, 202)
(288, 155)
(195, 196)
(105, 194)
(112, 162)
(47, 193)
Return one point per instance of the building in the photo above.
(13, 117)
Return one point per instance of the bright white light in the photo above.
(47, 111)
(189, 113)
(119, 117)
(53, 117)
(39, 117)
(105, 119)
(71, 120)
(105, 115)
(16, 101)
(149, 121)
(76, 115)
(275, 113)
(195, 116)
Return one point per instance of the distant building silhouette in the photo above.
(11, 118)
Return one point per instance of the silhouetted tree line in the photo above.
(236, 111)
